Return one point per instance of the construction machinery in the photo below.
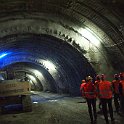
(15, 96)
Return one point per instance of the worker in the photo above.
(82, 87)
(121, 92)
(115, 84)
(97, 81)
(105, 95)
(90, 96)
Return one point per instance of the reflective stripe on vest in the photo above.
(89, 93)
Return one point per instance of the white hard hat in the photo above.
(89, 78)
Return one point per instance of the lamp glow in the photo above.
(3, 55)
(32, 78)
(91, 36)
(49, 65)
(37, 73)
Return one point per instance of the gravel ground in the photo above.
(55, 109)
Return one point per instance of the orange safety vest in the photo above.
(116, 85)
(105, 89)
(97, 83)
(82, 88)
(122, 83)
(90, 90)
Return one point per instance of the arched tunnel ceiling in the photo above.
(37, 49)
(80, 37)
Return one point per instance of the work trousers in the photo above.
(117, 102)
(105, 103)
(122, 103)
(92, 109)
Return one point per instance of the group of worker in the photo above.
(104, 90)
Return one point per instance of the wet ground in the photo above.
(55, 109)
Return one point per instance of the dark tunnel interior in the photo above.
(57, 43)
(63, 71)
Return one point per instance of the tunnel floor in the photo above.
(51, 108)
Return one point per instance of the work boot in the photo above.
(107, 122)
(121, 114)
(95, 121)
(91, 122)
(113, 121)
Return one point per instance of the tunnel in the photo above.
(57, 43)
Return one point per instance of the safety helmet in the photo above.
(97, 77)
(102, 76)
(89, 78)
(83, 81)
(121, 74)
(116, 75)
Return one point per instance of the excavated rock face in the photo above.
(57, 43)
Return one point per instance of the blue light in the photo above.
(3, 55)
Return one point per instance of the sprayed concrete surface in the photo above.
(55, 109)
